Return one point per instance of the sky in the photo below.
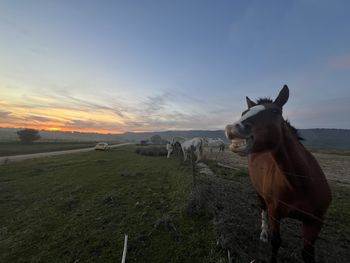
(117, 66)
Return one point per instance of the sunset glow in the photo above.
(122, 66)
(54, 129)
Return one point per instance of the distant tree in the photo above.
(156, 139)
(28, 135)
(164, 142)
(144, 142)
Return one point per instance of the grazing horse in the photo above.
(214, 143)
(178, 139)
(287, 178)
(175, 145)
(197, 145)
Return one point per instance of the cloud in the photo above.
(340, 62)
(169, 111)
(329, 113)
(90, 125)
(175, 120)
(93, 105)
(56, 107)
(165, 111)
(64, 99)
(5, 114)
(40, 119)
(154, 104)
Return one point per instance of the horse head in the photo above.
(260, 126)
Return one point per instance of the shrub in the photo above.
(28, 135)
(156, 139)
(151, 151)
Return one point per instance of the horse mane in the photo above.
(267, 100)
(262, 101)
(294, 130)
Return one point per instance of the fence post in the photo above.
(229, 256)
(193, 167)
(178, 151)
(125, 248)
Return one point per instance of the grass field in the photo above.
(15, 148)
(77, 208)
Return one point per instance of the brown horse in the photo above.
(287, 178)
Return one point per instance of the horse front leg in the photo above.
(310, 233)
(264, 235)
(275, 237)
(185, 154)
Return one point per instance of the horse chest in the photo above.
(265, 175)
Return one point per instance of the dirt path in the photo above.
(336, 167)
(18, 158)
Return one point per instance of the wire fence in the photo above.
(240, 197)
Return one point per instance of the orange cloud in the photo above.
(13, 115)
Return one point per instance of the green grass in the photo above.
(76, 208)
(339, 209)
(15, 148)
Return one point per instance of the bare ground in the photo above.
(335, 166)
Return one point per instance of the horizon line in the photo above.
(162, 131)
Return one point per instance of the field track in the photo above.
(17, 158)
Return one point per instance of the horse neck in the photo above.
(292, 158)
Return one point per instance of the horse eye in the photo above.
(276, 111)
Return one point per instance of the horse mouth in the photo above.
(241, 146)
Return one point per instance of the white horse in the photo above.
(195, 143)
(215, 143)
(175, 145)
(178, 139)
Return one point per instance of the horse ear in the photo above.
(282, 97)
(250, 103)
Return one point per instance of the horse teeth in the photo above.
(237, 143)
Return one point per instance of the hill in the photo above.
(314, 138)
(9, 134)
(326, 138)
